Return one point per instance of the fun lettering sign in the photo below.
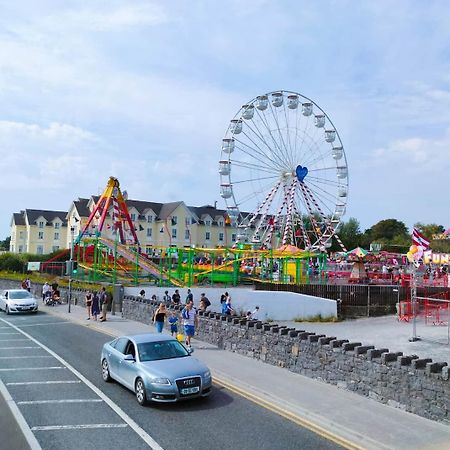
(435, 258)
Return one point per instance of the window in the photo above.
(174, 220)
(150, 219)
(133, 217)
(207, 235)
(186, 234)
(20, 249)
(149, 232)
(208, 223)
(148, 250)
(40, 250)
(20, 234)
(41, 224)
(56, 236)
(188, 221)
(57, 224)
(220, 223)
(233, 237)
(220, 236)
(121, 344)
(55, 248)
(41, 235)
(174, 233)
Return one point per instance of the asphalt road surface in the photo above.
(53, 374)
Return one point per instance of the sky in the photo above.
(144, 91)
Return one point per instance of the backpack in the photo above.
(206, 302)
(185, 313)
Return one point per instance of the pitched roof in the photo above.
(19, 218)
(167, 209)
(81, 207)
(49, 216)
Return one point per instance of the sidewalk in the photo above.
(355, 421)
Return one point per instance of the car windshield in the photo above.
(154, 351)
(17, 295)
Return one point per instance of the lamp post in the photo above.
(69, 301)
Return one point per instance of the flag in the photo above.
(141, 228)
(419, 239)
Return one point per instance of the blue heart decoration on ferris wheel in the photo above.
(301, 173)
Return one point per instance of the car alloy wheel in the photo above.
(105, 371)
(141, 395)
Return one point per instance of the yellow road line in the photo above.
(288, 415)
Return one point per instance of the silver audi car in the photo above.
(156, 367)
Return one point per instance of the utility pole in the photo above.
(69, 301)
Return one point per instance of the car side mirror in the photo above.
(190, 350)
(129, 358)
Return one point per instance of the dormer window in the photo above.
(133, 217)
(220, 223)
(208, 222)
(57, 225)
(149, 219)
(41, 224)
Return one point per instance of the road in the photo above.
(51, 369)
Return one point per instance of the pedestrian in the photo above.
(28, 284)
(176, 298)
(189, 296)
(166, 297)
(226, 307)
(46, 288)
(173, 320)
(248, 315)
(159, 317)
(190, 321)
(88, 301)
(95, 307)
(204, 302)
(142, 294)
(103, 298)
(56, 296)
(223, 299)
(255, 314)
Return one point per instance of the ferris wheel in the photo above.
(283, 173)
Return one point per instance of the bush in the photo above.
(11, 262)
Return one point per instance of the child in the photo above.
(173, 320)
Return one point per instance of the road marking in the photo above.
(288, 415)
(9, 340)
(25, 357)
(4, 334)
(16, 348)
(26, 383)
(116, 408)
(29, 436)
(44, 323)
(79, 427)
(68, 400)
(12, 369)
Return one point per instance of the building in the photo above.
(38, 231)
(156, 225)
(161, 224)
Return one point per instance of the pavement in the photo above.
(387, 332)
(345, 418)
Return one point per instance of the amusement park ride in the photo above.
(281, 158)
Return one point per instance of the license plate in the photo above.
(192, 390)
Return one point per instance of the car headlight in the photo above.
(207, 375)
(165, 381)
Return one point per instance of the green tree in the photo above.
(389, 229)
(350, 233)
(4, 245)
(430, 229)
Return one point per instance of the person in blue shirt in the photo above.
(173, 320)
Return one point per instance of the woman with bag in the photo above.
(159, 317)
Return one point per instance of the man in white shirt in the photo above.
(190, 321)
(46, 288)
(256, 314)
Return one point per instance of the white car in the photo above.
(18, 300)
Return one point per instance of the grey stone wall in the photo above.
(420, 386)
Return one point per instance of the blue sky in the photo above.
(144, 91)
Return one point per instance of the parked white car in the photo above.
(17, 300)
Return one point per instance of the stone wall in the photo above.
(420, 386)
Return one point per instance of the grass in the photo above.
(316, 318)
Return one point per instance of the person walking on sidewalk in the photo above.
(173, 320)
(46, 288)
(103, 298)
(189, 296)
(159, 317)
(190, 321)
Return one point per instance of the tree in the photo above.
(350, 233)
(430, 229)
(389, 229)
(4, 245)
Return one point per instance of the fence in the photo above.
(357, 300)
